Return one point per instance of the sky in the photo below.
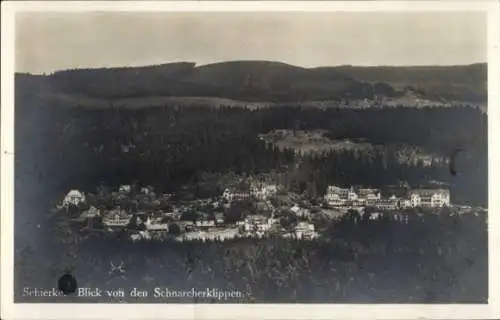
(50, 41)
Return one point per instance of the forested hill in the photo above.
(259, 81)
(168, 147)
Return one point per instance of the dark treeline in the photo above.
(168, 147)
(439, 129)
(263, 81)
(358, 260)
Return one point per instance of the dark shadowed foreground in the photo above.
(432, 259)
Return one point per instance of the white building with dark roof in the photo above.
(74, 197)
(257, 223)
(383, 204)
(404, 203)
(125, 189)
(336, 196)
(205, 223)
(369, 194)
(219, 218)
(263, 191)
(434, 198)
(116, 218)
(213, 234)
(232, 194)
(302, 231)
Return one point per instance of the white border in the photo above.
(250, 311)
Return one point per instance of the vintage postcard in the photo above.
(256, 160)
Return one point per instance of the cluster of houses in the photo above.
(192, 220)
(349, 197)
(260, 226)
(151, 224)
(258, 191)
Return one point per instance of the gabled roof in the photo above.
(74, 193)
(368, 191)
(157, 226)
(430, 192)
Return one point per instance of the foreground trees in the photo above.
(430, 259)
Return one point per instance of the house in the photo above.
(205, 223)
(336, 202)
(219, 217)
(90, 213)
(135, 237)
(351, 195)
(415, 200)
(383, 204)
(191, 236)
(227, 195)
(263, 191)
(186, 225)
(156, 228)
(360, 202)
(117, 218)
(141, 235)
(369, 194)
(405, 203)
(235, 194)
(304, 227)
(125, 189)
(74, 197)
(305, 230)
(336, 196)
(256, 223)
(337, 192)
(240, 223)
(214, 234)
(223, 234)
(434, 198)
(374, 215)
(146, 190)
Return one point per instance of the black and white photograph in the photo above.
(249, 157)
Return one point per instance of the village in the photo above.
(242, 210)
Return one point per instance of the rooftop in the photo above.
(430, 192)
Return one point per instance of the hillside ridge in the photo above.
(263, 81)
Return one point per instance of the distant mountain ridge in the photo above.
(261, 81)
